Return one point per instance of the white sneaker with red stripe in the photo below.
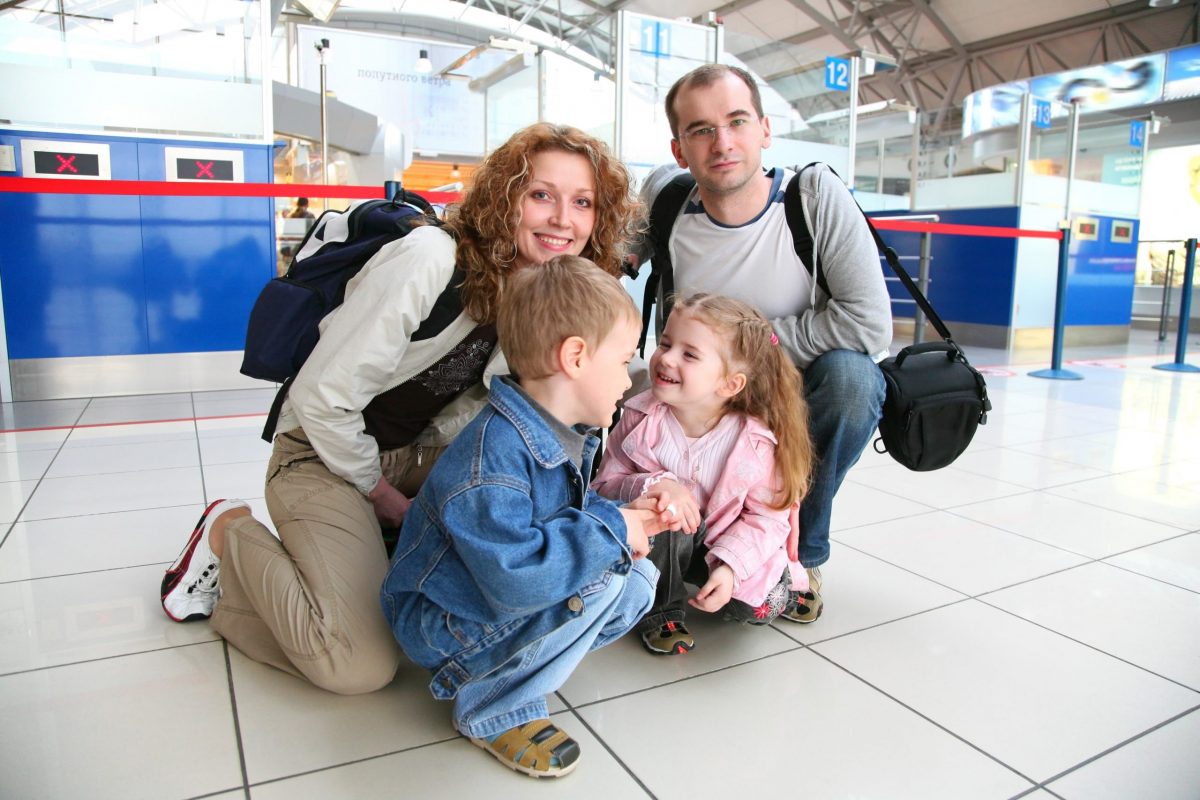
(189, 589)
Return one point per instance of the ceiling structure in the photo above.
(943, 49)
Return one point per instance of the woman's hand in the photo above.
(675, 502)
(716, 591)
(390, 504)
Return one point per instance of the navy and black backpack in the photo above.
(283, 327)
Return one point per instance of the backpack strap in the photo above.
(802, 241)
(268, 434)
(894, 262)
(663, 213)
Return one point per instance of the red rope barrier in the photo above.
(961, 230)
(203, 189)
(224, 189)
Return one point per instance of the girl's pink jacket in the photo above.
(743, 531)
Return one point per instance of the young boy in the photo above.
(508, 568)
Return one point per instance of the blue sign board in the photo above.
(1183, 73)
(1137, 133)
(1041, 113)
(837, 74)
(655, 38)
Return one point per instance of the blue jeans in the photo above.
(845, 393)
(515, 693)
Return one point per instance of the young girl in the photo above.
(720, 441)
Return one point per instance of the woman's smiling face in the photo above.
(558, 212)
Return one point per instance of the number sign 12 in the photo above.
(837, 74)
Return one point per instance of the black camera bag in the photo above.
(935, 398)
(935, 401)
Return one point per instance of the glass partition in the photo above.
(512, 103)
(652, 53)
(819, 130)
(977, 171)
(1108, 168)
(883, 159)
(82, 64)
(579, 95)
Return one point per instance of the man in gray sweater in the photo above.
(833, 316)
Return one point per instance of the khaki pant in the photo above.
(308, 602)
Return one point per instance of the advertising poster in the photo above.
(994, 107)
(1170, 210)
(1183, 73)
(1141, 81)
(1119, 84)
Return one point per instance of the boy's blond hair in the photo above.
(544, 305)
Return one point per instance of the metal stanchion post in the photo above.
(923, 285)
(1060, 302)
(323, 54)
(1185, 313)
(391, 189)
(1164, 312)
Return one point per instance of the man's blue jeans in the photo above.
(516, 693)
(845, 393)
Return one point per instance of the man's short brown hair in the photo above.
(544, 305)
(704, 76)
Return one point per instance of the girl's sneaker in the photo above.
(672, 638)
(805, 607)
(189, 589)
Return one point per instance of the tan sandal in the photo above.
(536, 748)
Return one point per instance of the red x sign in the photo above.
(65, 163)
(204, 170)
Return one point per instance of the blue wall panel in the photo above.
(1101, 276)
(97, 275)
(206, 259)
(71, 267)
(971, 277)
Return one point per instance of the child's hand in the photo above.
(716, 591)
(676, 503)
(664, 520)
(793, 540)
(638, 524)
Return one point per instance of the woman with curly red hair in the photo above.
(374, 406)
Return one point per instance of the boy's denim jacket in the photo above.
(502, 545)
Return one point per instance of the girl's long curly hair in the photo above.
(485, 222)
(774, 391)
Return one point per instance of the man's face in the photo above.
(720, 136)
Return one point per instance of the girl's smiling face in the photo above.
(688, 370)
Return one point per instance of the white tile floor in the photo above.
(1025, 623)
